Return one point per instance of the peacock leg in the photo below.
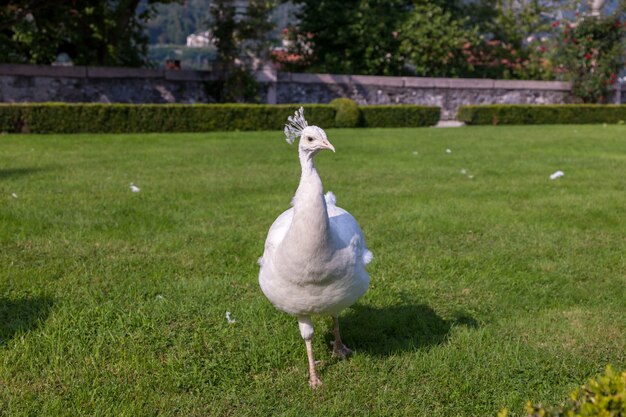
(306, 331)
(339, 349)
(314, 381)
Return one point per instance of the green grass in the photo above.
(486, 292)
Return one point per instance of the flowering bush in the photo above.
(591, 53)
(497, 59)
(296, 54)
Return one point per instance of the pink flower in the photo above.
(587, 56)
(556, 24)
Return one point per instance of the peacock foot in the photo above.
(314, 381)
(340, 350)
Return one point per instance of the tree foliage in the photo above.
(354, 36)
(432, 42)
(103, 32)
(469, 38)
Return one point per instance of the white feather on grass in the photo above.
(557, 175)
(229, 319)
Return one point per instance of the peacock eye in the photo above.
(310, 139)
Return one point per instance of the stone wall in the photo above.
(447, 93)
(30, 83)
(34, 83)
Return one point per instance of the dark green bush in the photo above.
(401, 115)
(138, 118)
(134, 118)
(604, 396)
(12, 117)
(541, 114)
(347, 112)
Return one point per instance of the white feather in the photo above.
(330, 198)
(296, 124)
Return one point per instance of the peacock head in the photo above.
(312, 138)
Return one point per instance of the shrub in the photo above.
(604, 396)
(402, 115)
(592, 53)
(541, 114)
(138, 118)
(347, 112)
(133, 118)
(12, 118)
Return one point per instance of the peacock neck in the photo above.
(310, 225)
(309, 202)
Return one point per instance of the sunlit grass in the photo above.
(491, 285)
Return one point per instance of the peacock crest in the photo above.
(295, 125)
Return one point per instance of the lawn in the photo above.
(491, 284)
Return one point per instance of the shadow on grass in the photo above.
(385, 331)
(21, 315)
(18, 172)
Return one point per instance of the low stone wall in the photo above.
(31, 83)
(35, 83)
(447, 93)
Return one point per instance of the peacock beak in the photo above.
(327, 145)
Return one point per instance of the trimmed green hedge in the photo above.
(401, 115)
(133, 118)
(541, 114)
(138, 118)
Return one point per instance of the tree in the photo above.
(91, 32)
(354, 36)
(394, 37)
(432, 42)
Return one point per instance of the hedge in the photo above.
(541, 114)
(137, 118)
(133, 118)
(347, 112)
(401, 115)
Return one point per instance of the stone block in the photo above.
(189, 75)
(426, 82)
(320, 78)
(119, 72)
(377, 80)
(42, 71)
(532, 85)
